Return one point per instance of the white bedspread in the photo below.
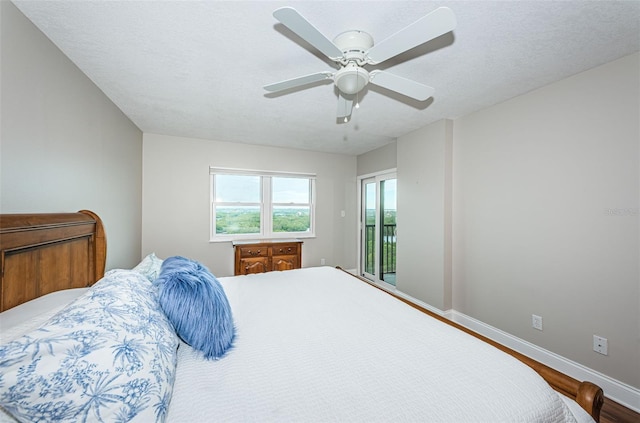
(317, 345)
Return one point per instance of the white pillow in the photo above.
(108, 356)
(149, 267)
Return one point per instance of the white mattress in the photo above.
(317, 345)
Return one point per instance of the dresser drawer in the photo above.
(284, 262)
(254, 251)
(254, 265)
(285, 249)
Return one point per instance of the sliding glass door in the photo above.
(378, 228)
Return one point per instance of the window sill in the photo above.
(257, 237)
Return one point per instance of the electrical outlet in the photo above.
(322, 262)
(536, 322)
(600, 345)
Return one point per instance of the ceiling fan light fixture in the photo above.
(351, 79)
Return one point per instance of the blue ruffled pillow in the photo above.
(197, 306)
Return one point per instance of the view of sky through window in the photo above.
(238, 188)
(290, 190)
(390, 198)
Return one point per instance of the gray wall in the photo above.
(64, 146)
(546, 197)
(424, 214)
(176, 199)
(378, 160)
(542, 213)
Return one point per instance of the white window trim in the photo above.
(266, 207)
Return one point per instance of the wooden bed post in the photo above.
(99, 245)
(591, 398)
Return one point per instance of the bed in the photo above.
(310, 345)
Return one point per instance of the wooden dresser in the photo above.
(265, 256)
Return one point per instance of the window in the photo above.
(254, 204)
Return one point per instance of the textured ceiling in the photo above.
(196, 68)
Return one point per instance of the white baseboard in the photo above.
(620, 392)
(392, 289)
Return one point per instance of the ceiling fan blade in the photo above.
(299, 81)
(293, 20)
(345, 106)
(401, 85)
(436, 23)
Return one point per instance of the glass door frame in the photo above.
(363, 180)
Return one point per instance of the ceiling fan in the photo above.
(354, 49)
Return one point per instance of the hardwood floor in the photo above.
(612, 412)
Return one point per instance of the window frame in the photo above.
(266, 205)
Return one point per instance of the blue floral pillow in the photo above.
(108, 356)
(149, 267)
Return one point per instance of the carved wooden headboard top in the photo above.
(45, 252)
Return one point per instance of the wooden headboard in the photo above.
(47, 252)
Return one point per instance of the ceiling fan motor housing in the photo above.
(354, 45)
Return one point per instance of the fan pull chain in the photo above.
(357, 92)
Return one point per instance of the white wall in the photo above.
(64, 146)
(546, 200)
(176, 198)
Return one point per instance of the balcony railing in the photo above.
(388, 253)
